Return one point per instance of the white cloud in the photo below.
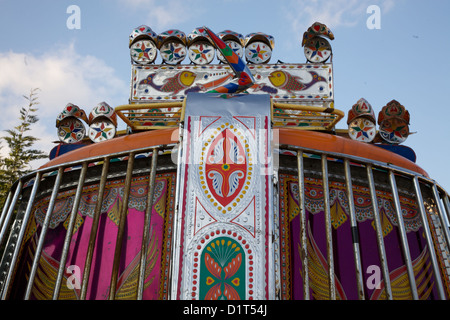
(165, 14)
(387, 5)
(333, 13)
(63, 76)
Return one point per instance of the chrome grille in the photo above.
(432, 200)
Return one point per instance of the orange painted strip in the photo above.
(124, 143)
(331, 143)
(307, 139)
(217, 82)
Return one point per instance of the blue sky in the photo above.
(406, 59)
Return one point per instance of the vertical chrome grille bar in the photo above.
(120, 232)
(447, 209)
(147, 221)
(379, 231)
(426, 227)
(302, 219)
(44, 229)
(175, 252)
(403, 237)
(354, 229)
(4, 210)
(11, 208)
(69, 232)
(440, 211)
(328, 228)
(94, 229)
(7, 213)
(23, 228)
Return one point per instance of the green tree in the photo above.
(21, 152)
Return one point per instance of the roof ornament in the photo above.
(172, 46)
(69, 125)
(200, 49)
(316, 48)
(258, 47)
(361, 121)
(393, 120)
(102, 123)
(142, 44)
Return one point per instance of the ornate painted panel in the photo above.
(293, 82)
(159, 248)
(226, 202)
(345, 279)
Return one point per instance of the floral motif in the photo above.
(258, 52)
(222, 271)
(102, 130)
(71, 130)
(201, 53)
(143, 52)
(362, 129)
(173, 52)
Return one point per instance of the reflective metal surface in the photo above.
(432, 202)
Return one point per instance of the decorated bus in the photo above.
(230, 181)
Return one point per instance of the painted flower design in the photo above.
(222, 272)
(394, 130)
(362, 130)
(173, 52)
(71, 130)
(258, 52)
(101, 131)
(201, 53)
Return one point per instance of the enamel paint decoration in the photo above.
(226, 199)
(258, 47)
(69, 125)
(243, 78)
(143, 51)
(317, 49)
(172, 46)
(201, 51)
(233, 40)
(361, 121)
(311, 83)
(299, 83)
(142, 43)
(394, 123)
(103, 123)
